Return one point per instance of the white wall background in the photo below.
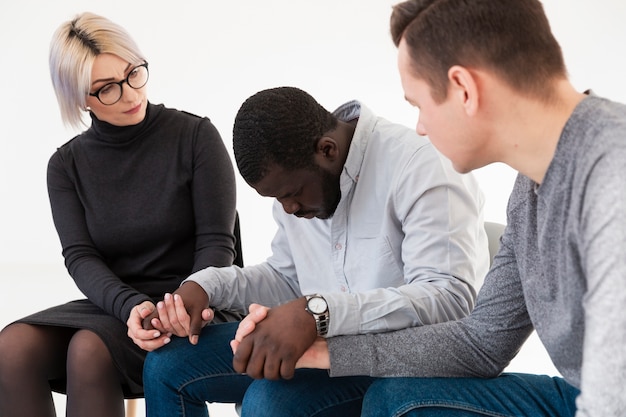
(207, 57)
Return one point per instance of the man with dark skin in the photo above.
(376, 231)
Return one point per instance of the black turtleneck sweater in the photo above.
(139, 208)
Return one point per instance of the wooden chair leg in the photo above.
(131, 408)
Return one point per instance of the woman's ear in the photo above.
(464, 87)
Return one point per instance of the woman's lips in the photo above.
(134, 109)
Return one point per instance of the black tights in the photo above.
(32, 355)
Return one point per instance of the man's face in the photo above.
(444, 123)
(304, 193)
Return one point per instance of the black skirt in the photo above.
(127, 356)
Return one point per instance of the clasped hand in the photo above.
(182, 313)
(272, 343)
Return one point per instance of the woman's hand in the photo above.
(142, 332)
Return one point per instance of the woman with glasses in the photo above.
(141, 199)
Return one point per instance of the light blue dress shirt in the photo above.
(405, 247)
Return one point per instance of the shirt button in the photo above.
(343, 288)
(338, 246)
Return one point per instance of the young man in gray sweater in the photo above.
(490, 82)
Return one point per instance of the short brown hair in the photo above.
(509, 37)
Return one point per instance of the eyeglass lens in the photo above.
(111, 93)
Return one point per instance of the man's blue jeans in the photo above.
(509, 395)
(180, 378)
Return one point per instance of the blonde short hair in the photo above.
(73, 49)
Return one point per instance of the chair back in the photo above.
(494, 231)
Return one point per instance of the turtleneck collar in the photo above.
(121, 134)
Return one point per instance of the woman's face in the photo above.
(131, 107)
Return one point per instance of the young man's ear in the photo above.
(463, 87)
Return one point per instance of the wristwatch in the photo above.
(317, 306)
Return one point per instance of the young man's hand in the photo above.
(256, 313)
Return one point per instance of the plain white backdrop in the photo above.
(207, 57)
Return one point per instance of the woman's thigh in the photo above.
(28, 348)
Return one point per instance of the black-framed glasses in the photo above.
(111, 93)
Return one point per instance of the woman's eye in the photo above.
(106, 89)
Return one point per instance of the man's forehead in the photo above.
(276, 182)
(408, 77)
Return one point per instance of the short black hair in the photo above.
(278, 126)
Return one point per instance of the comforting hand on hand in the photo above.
(141, 332)
(271, 349)
(316, 356)
(256, 313)
(185, 312)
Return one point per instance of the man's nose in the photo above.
(290, 206)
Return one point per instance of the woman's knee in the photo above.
(32, 350)
(14, 344)
(22, 344)
(88, 358)
(15, 351)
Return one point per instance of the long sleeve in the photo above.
(603, 239)
(138, 209)
(214, 199)
(442, 250)
(235, 288)
(86, 264)
(481, 344)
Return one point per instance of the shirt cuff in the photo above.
(344, 314)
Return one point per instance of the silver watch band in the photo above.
(322, 319)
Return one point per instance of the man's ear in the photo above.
(464, 87)
(326, 151)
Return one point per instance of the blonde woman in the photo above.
(141, 199)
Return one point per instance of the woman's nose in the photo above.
(129, 93)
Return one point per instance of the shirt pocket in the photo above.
(372, 261)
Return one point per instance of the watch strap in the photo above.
(321, 320)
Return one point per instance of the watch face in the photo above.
(317, 305)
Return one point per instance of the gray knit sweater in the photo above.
(561, 270)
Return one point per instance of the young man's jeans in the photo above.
(509, 395)
(180, 378)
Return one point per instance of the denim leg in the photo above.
(509, 395)
(310, 393)
(180, 378)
